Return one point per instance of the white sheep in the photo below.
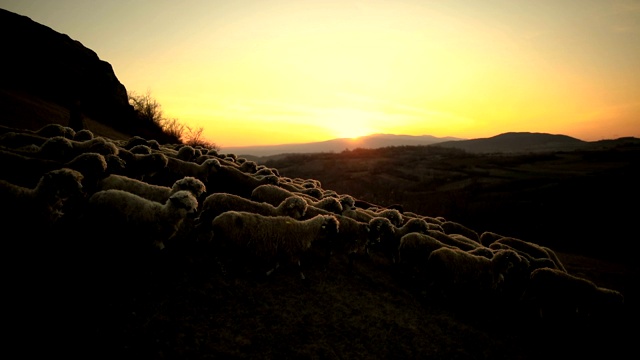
(30, 210)
(529, 249)
(460, 242)
(83, 135)
(270, 239)
(217, 203)
(138, 140)
(457, 275)
(143, 166)
(452, 227)
(354, 240)
(488, 237)
(270, 193)
(51, 130)
(98, 145)
(231, 179)
(91, 165)
(17, 140)
(556, 295)
(157, 193)
(414, 250)
(135, 221)
(390, 242)
(177, 169)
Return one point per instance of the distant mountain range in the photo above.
(511, 142)
(338, 145)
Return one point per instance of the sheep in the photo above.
(555, 295)
(389, 244)
(152, 192)
(393, 215)
(271, 239)
(534, 263)
(217, 203)
(51, 130)
(177, 169)
(482, 251)
(313, 192)
(93, 167)
(357, 214)
(98, 145)
(16, 140)
(270, 193)
(186, 153)
(530, 250)
(141, 149)
(331, 205)
(137, 223)
(472, 244)
(138, 140)
(249, 167)
(115, 164)
(554, 257)
(355, 239)
(275, 193)
(232, 180)
(414, 250)
(452, 227)
(32, 210)
(142, 166)
(55, 148)
(327, 206)
(457, 275)
(460, 242)
(83, 135)
(348, 202)
(265, 171)
(488, 237)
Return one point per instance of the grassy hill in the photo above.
(182, 303)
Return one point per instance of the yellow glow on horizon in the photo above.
(291, 72)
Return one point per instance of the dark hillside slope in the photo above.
(63, 296)
(54, 67)
(46, 75)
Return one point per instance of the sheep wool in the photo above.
(271, 239)
(138, 221)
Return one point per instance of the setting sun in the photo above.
(348, 123)
(264, 73)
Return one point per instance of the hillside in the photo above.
(182, 303)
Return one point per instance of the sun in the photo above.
(349, 123)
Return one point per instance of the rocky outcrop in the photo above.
(52, 66)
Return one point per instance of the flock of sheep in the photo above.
(138, 196)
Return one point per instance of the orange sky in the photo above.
(291, 71)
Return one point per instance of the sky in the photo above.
(266, 72)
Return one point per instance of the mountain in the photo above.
(338, 145)
(507, 143)
(518, 142)
(529, 142)
(48, 76)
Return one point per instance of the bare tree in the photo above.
(147, 108)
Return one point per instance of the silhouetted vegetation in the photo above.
(149, 115)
